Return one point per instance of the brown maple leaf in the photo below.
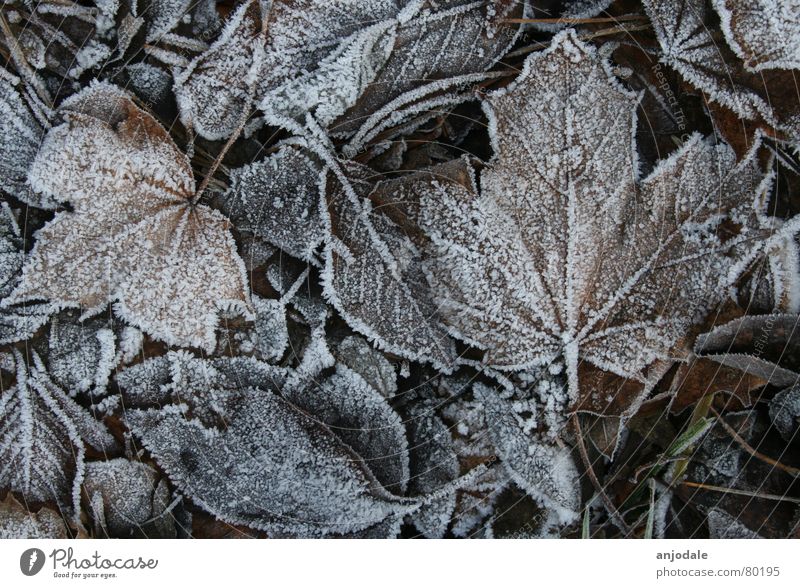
(135, 235)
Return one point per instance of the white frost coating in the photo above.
(127, 500)
(42, 435)
(362, 418)
(372, 276)
(16, 522)
(81, 356)
(721, 525)
(277, 46)
(272, 468)
(20, 135)
(277, 199)
(361, 357)
(765, 34)
(21, 321)
(562, 250)
(135, 236)
(688, 47)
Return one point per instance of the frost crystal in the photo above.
(135, 235)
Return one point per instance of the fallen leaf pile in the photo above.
(399, 268)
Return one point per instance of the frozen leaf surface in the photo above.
(17, 523)
(444, 41)
(81, 355)
(21, 321)
(272, 468)
(42, 435)
(558, 249)
(434, 465)
(373, 277)
(277, 199)
(275, 52)
(364, 420)
(20, 134)
(135, 235)
(545, 471)
(370, 364)
(127, 499)
(765, 34)
(687, 45)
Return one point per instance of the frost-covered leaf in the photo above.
(362, 418)
(272, 468)
(434, 465)
(545, 471)
(444, 41)
(784, 410)
(16, 522)
(361, 357)
(21, 133)
(277, 199)
(181, 377)
(721, 525)
(374, 279)
(270, 329)
(42, 435)
(127, 499)
(765, 34)
(81, 356)
(275, 48)
(135, 235)
(556, 250)
(688, 46)
(20, 321)
(761, 345)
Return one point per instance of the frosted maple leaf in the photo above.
(558, 249)
(136, 235)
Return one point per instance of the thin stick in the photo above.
(740, 492)
(625, 18)
(593, 477)
(218, 159)
(792, 471)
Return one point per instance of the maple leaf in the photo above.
(42, 435)
(135, 235)
(556, 249)
(765, 34)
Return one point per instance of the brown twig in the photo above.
(723, 490)
(596, 20)
(612, 510)
(220, 156)
(792, 471)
